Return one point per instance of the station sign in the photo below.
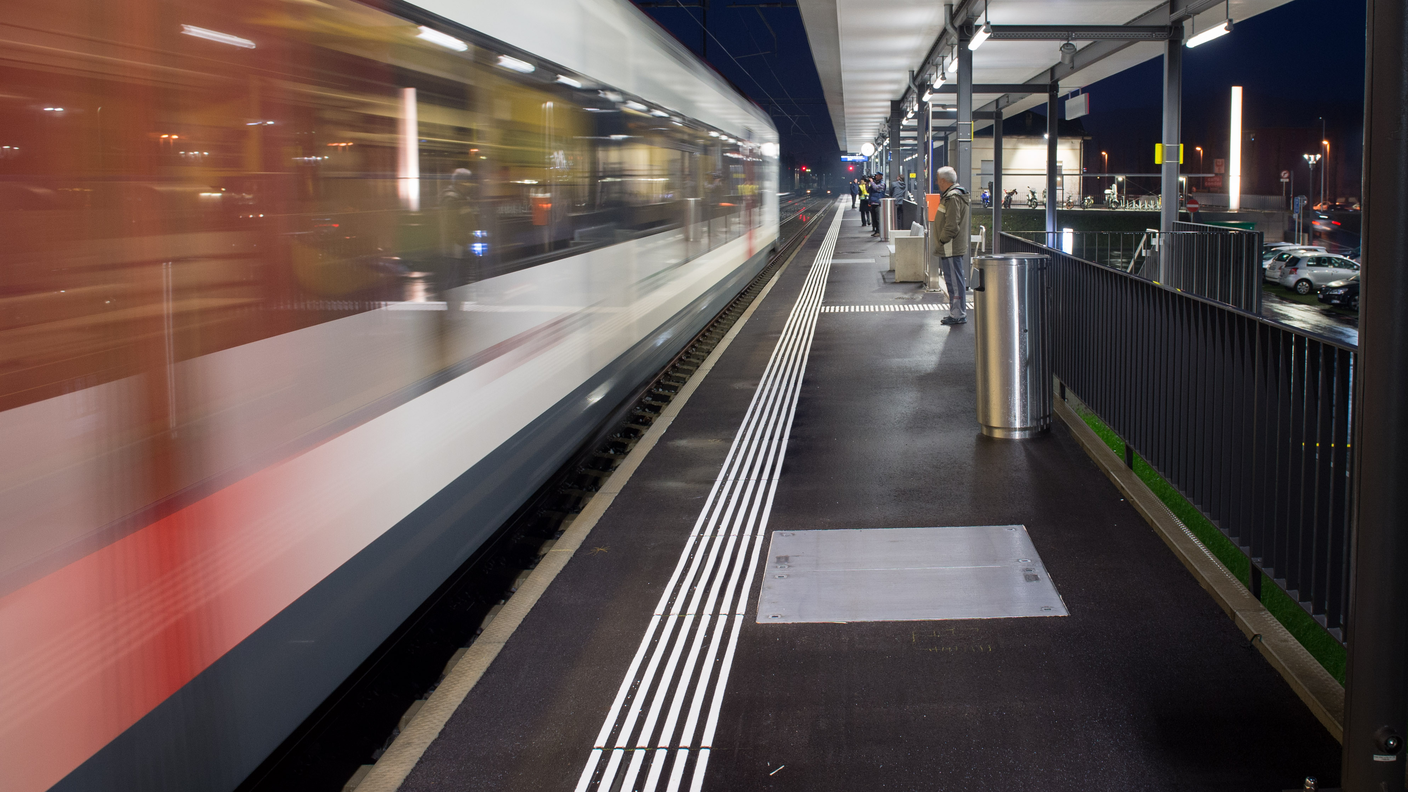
(1077, 106)
(853, 158)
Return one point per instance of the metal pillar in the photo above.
(1053, 163)
(926, 153)
(1376, 688)
(1173, 124)
(896, 147)
(963, 162)
(997, 180)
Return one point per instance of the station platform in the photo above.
(842, 403)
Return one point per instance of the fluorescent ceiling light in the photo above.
(565, 80)
(980, 36)
(659, 113)
(514, 64)
(1211, 33)
(712, 133)
(928, 95)
(215, 35)
(637, 106)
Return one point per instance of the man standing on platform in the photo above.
(950, 243)
(855, 190)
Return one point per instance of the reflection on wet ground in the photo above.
(1316, 319)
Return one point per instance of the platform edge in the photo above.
(406, 750)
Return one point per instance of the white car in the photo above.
(1308, 271)
(1272, 260)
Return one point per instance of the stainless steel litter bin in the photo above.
(1011, 312)
(887, 219)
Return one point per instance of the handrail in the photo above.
(1247, 419)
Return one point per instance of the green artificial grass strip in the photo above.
(1324, 647)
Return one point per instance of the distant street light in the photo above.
(1202, 179)
(1310, 160)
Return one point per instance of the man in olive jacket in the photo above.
(949, 235)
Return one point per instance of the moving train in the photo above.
(299, 301)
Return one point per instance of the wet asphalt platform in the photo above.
(1145, 685)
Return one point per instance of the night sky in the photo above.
(1297, 63)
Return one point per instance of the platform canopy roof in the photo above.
(866, 49)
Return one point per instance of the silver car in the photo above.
(1307, 272)
(1274, 258)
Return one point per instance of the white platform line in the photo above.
(727, 536)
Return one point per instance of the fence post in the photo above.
(1376, 689)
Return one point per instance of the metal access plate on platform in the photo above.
(905, 574)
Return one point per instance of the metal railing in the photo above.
(1221, 264)
(1249, 420)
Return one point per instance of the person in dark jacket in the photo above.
(855, 190)
(877, 192)
(899, 190)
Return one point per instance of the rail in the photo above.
(1220, 264)
(1249, 420)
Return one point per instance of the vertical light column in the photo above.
(1234, 149)
(408, 153)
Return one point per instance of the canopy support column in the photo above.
(1376, 685)
(1053, 164)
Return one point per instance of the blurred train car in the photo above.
(299, 300)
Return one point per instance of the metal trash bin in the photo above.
(887, 219)
(1011, 312)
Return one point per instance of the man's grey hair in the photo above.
(948, 174)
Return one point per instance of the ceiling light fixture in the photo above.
(565, 80)
(980, 36)
(1213, 32)
(983, 32)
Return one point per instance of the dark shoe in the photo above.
(949, 320)
(877, 233)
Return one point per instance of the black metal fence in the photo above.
(1251, 421)
(1222, 264)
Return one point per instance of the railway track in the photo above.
(361, 718)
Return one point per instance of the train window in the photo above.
(253, 168)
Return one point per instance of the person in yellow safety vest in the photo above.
(864, 205)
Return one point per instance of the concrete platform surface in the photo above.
(1145, 685)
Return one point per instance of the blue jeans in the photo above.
(957, 285)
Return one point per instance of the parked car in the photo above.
(1272, 262)
(1341, 292)
(1306, 271)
